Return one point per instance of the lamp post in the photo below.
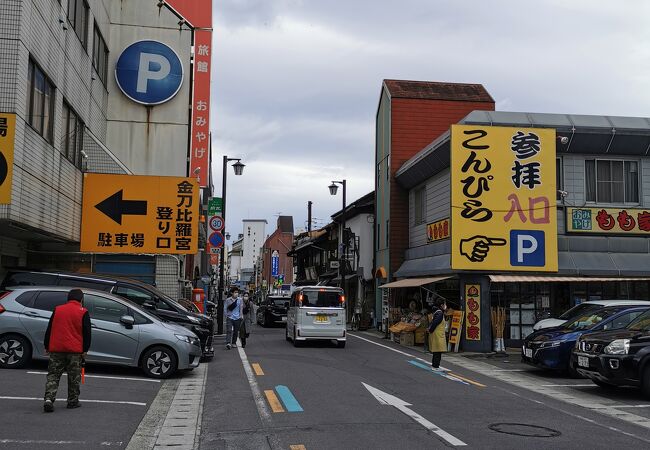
(333, 189)
(239, 169)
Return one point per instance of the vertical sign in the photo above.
(455, 329)
(7, 133)
(215, 224)
(199, 148)
(503, 199)
(473, 312)
(275, 263)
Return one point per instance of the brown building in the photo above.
(281, 241)
(411, 115)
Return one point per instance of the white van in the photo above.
(316, 313)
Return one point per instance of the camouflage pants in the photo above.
(59, 363)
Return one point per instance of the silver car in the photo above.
(122, 333)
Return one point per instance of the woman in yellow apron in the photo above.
(437, 337)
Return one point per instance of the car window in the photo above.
(80, 283)
(139, 318)
(29, 279)
(135, 295)
(641, 323)
(25, 298)
(48, 300)
(578, 310)
(101, 308)
(321, 299)
(622, 321)
(589, 320)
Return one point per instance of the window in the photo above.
(136, 296)
(72, 142)
(79, 283)
(420, 205)
(48, 300)
(100, 54)
(379, 236)
(321, 299)
(622, 321)
(29, 279)
(78, 17)
(612, 181)
(387, 234)
(40, 104)
(25, 299)
(101, 308)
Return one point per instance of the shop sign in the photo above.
(439, 230)
(200, 142)
(455, 329)
(503, 199)
(608, 221)
(473, 312)
(7, 133)
(139, 214)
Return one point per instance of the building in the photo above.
(58, 80)
(315, 256)
(254, 231)
(234, 262)
(410, 115)
(278, 245)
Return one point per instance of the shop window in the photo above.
(78, 18)
(72, 142)
(612, 181)
(419, 212)
(41, 102)
(100, 54)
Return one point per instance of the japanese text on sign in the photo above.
(200, 145)
(608, 220)
(7, 132)
(503, 186)
(473, 312)
(438, 230)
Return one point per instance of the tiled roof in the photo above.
(433, 90)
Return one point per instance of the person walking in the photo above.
(248, 313)
(67, 340)
(233, 307)
(437, 337)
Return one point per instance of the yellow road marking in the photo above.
(258, 370)
(475, 383)
(298, 447)
(273, 400)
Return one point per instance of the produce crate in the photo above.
(420, 335)
(407, 339)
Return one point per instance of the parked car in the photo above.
(618, 357)
(272, 310)
(584, 308)
(122, 333)
(142, 294)
(551, 348)
(316, 313)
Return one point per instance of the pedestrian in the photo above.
(67, 341)
(437, 337)
(248, 313)
(233, 307)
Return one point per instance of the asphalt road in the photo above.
(113, 399)
(319, 397)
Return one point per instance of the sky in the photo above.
(296, 83)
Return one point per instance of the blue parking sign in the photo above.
(149, 72)
(527, 248)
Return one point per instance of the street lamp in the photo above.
(239, 169)
(333, 190)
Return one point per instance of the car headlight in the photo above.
(194, 320)
(189, 339)
(551, 344)
(618, 347)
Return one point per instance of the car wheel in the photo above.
(15, 351)
(159, 362)
(645, 381)
(340, 344)
(604, 385)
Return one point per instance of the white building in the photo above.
(254, 231)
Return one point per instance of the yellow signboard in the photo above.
(7, 133)
(608, 220)
(139, 214)
(439, 230)
(455, 329)
(503, 208)
(473, 312)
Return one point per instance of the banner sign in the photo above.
(628, 221)
(473, 312)
(503, 199)
(216, 225)
(7, 133)
(275, 264)
(200, 142)
(439, 230)
(455, 329)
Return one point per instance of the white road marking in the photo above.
(568, 385)
(396, 350)
(633, 406)
(82, 400)
(388, 399)
(149, 380)
(45, 442)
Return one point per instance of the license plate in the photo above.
(528, 352)
(284, 319)
(583, 361)
(321, 319)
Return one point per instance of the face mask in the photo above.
(245, 297)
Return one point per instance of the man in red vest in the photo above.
(67, 340)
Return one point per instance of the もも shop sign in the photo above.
(503, 199)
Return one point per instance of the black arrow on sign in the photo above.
(115, 207)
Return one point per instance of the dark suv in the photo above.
(143, 294)
(272, 310)
(617, 357)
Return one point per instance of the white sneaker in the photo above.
(228, 346)
(436, 369)
(234, 345)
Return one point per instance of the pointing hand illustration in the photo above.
(476, 248)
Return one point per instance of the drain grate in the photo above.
(523, 429)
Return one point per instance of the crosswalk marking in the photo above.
(258, 369)
(273, 400)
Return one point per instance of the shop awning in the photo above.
(413, 282)
(552, 279)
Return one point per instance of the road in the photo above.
(415, 408)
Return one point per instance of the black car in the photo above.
(140, 293)
(272, 310)
(617, 357)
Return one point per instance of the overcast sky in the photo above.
(296, 83)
